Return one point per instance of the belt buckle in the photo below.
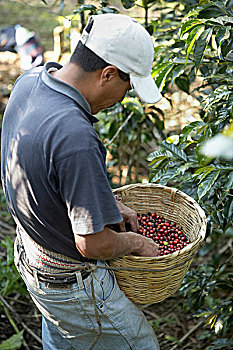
(63, 286)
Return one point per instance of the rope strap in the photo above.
(92, 267)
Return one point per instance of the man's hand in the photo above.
(129, 216)
(109, 244)
(148, 249)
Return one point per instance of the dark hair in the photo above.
(90, 62)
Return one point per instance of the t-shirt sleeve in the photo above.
(86, 192)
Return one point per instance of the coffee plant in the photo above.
(193, 53)
(202, 51)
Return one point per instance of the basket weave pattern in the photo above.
(160, 277)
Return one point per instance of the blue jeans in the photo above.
(69, 320)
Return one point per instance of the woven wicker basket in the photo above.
(151, 280)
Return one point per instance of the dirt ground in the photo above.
(174, 328)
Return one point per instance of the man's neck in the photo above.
(85, 82)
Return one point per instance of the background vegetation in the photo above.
(193, 55)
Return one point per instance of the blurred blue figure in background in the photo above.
(20, 40)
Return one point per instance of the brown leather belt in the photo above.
(57, 279)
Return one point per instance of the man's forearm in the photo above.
(109, 244)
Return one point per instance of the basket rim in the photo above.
(173, 191)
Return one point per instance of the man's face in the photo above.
(111, 89)
(117, 92)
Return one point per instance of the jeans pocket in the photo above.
(104, 285)
(68, 310)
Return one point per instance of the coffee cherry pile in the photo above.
(167, 234)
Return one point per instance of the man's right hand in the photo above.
(109, 244)
(149, 248)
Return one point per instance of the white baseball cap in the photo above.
(123, 42)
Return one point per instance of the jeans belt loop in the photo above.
(79, 280)
(36, 278)
(18, 251)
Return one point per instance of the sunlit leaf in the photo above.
(206, 185)
(190, 24)
(160, 77)
(157, 161)
(158, 154)
(189, 128)
(179, 153)
(193, 36)
(201, 45)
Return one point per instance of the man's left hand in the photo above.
(129, 216)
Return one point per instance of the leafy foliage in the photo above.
(202, 48)
(129, 126)
(10, 280)
(13, 343)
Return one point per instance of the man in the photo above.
(20, 40)
(54, 178)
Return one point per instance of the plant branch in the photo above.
(18, 318)
(43, 8)
(120, 128)
(14, 326)
(188, 334)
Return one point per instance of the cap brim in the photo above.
(145, 88)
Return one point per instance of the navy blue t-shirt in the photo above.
(53, 163)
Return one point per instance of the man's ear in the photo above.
(108, 74)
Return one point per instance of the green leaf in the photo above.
(180, 170)
(157, 154)
(204, 171)
(193, 36)
(228, 209)
(160, 77)
(8, 244)
(128, 3)
(156, 161)
(172, 339)
(156, 175)
(183, 83)
(229, 183)
(193, 12)
(83, 8)
(211, 11)
(222, 34)
(13, 343)
(201, 45)
(44, 1)
(222, 343)
(190, 24)
(227, 47)
(206, 185)
(176, 72)
(179, 153)
(189, 128)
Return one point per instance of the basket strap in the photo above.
(146, 270)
